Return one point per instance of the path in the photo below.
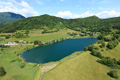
(37, 76)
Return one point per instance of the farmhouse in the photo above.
(10, 43)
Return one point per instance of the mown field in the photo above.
(14, 72)
(37, 35)
(83, 67)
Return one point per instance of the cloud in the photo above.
(86, 14)
(68, 14)
(65, 14)
(61, 0)
(108, 14)
(106, 1)
(39, 2)
(17, 1)
(103, 14)
(18, 6)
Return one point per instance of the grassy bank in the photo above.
(84, 67)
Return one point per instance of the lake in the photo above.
(56, 51)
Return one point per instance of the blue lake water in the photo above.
(56, 51)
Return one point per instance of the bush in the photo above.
(109, 62)
(12, 61)
(100, 41)
(118, 62)
(5, 46)
(72, 34)
(22, 65)
(102, 45)
(2, 71)
(19, 35)
(86, 48)
(101, 37)
(117, 36)
(19, 59)
(97, 54)
(36, 42)
(107, 39)
(90, 48)
(7, 36)
(17, 41)
(112, 44)
(2, 49)
(113, 74)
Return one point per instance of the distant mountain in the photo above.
(6, 17)
(91, 23)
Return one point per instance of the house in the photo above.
(21, 41)
(10, 43)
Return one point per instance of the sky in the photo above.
(63, 8)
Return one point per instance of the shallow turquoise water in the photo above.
(57, 50)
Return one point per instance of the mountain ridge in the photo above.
(92, 23)
(6, 17)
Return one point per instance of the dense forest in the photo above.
(47, 22)
(6, 17)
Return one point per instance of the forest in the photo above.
(53, 24)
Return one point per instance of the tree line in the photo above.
(47, 23)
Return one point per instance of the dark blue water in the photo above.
(57, 50)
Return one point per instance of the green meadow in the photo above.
(37, 35)
(30, 71)
(83, 67)
(14, 72)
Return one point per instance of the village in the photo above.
(20, 42)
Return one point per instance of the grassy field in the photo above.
(37, 76)
(115, 53)
(84, 67)
(14, 72)
(37, 35)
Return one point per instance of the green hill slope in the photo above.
(6, 17)
(91, 23)
(82, 67)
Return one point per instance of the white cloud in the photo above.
(20, 7)
(65, 14)
(61, 0)
(68, 14)
(103, 14)
(86, 14)
(106, 1)
(39, 2)
(108, 14)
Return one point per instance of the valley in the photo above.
(94, 62)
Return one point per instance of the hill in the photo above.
(84, 67)
(91, 23)
(6, 17)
